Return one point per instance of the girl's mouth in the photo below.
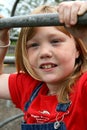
(47, 66)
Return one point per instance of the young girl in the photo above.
(50, 85)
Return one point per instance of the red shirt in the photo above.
(43, 108)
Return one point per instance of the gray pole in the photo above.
(50, 19)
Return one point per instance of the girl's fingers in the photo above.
(67, 16)
(61, 13)
(83, 8)
(74, 14)
(69, 11)
(64, 10)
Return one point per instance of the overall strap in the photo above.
(33, 95)
(63, 106)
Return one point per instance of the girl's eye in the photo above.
(32, 45)
(55, 41)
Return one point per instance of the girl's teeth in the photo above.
(47, 66)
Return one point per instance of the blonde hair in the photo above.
(23, 65)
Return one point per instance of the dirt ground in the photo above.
(7, 109)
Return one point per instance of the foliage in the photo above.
(27, 5)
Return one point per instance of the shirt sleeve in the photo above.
(20, 87)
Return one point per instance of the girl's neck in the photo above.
(54, 89)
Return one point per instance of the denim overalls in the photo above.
(57, 125)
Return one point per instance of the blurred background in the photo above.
(10, 8)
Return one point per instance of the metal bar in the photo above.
(10, 119)
(33, 20)
(9, 60)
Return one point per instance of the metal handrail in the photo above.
(46, 19)
(10, 119)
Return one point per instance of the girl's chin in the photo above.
(50, 80)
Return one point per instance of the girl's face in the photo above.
(51, 54)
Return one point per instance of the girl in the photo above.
(50, 85)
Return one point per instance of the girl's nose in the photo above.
(45, 53)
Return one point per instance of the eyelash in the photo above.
(32, 45)
(55, 41)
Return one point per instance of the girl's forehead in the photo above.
(52, 30)
(49, 30)
(45, 30)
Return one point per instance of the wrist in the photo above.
(3, 45)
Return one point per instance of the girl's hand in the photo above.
(68, 14)
(70, 10)
(4, 34)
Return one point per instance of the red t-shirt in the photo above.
(43, 108)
